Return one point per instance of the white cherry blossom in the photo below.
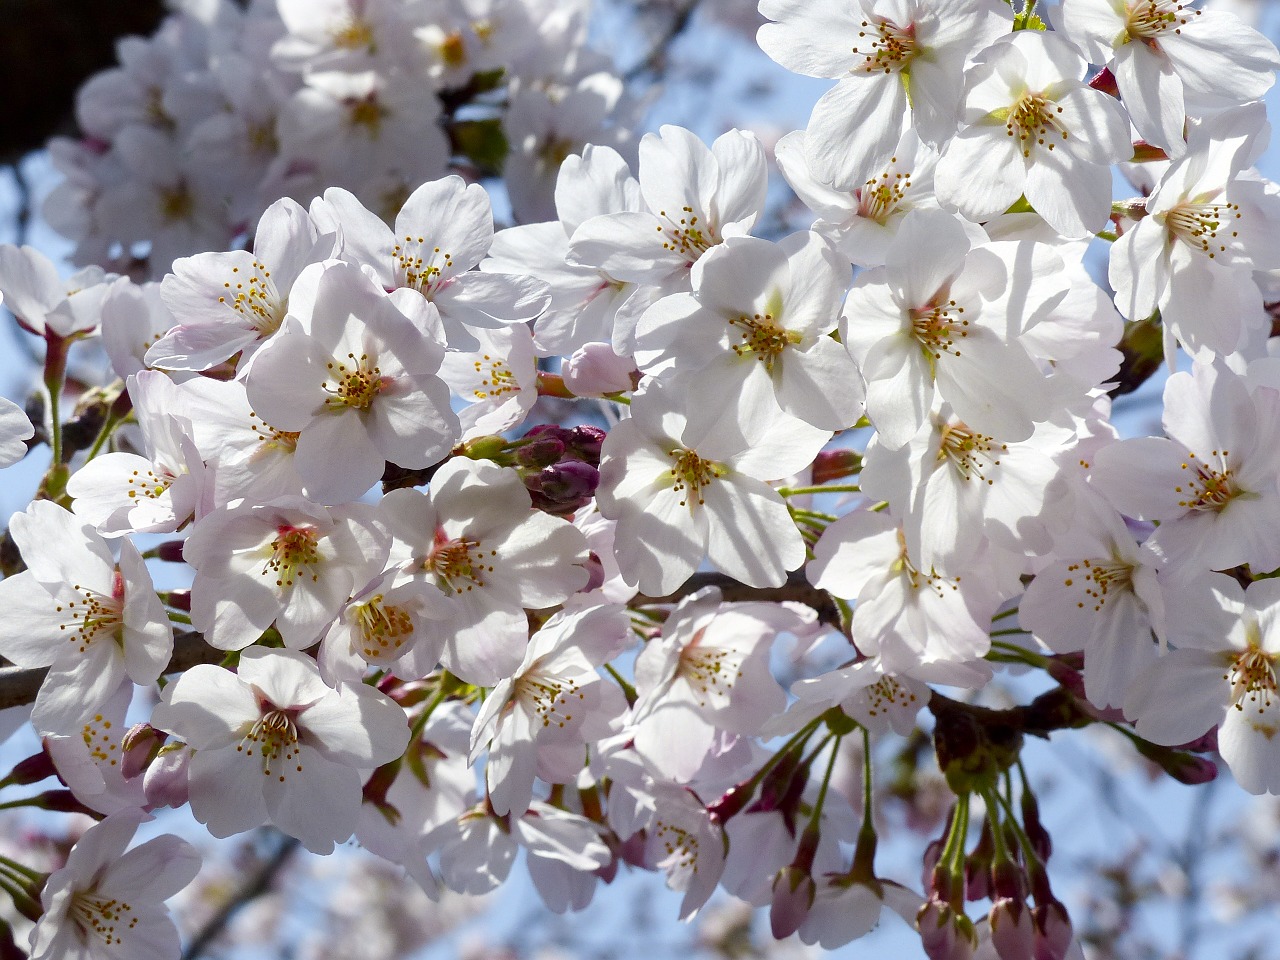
(274, 744)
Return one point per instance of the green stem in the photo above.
(26, 904)
(1028, 851)
(55, 376)
(1021, 653)
(829, 488)
(420, 724)
(866, 781)
(826, 780)
(108, 428)
(813, 515)
(176, 616)
(26, 872)
(628, 690)
(1011, 632)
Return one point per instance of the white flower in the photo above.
(1223, 672)
(688, 482)
(540, 720)
(357, 384)
(92, 620)
(895, 60)
(107, 903)
(476, 544)
(1169, 59)
(1032, 127)
(15, 431)
(44, 302)
(275, 745)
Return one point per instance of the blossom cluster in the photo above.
(898, 420)
(230, 106)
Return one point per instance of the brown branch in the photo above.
(19, 687)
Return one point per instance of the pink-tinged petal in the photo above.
(660, 545)
(208, 707)
(626, 246)
(452, 215)
(76, 687)
(336, 458)
(1217, 54)
(357, 725)
(285, 678)
(286, 383)
(1141, 477)
(148, 634)
(30, 624)
(60, 548)
(674, 739)
(1152, 93)
(226, 790)
(751, 535)
(152, 871)
(512, 766)
(1248, 742)
(854, 128)
(1180, 698)
(313, 798)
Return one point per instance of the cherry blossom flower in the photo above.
(43, 301)
(274, 744)
(1031, 126)
(1222, 673)
(688, 482)
(942, 319)
(895, 61)
(477, 545)
(758, 311)
(1212, 482)
(539, 720)
(1169, 59)
(290, 563)
(107, 902)
(234, 302)
(357, 385)
(92, 620)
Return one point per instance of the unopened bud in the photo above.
(1053, 934)
(793, 894)
(140, 744)
(33, 769)
(165, 784)
(1013, 932)
(595, 370)
(564, 487)
(945, 934)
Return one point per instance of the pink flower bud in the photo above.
(945, 934)
(1053, 933)
(1013, 933)
(595, 370)
(793, 893)
(165, 782)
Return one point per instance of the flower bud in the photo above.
(140, 745)
(584, 443)
(793, 894)
(945, 934)
(539, 451)
(33, 769)
(1053, 933)
(562, 488)
(1013, 932)
(165, 782)
(595, 370)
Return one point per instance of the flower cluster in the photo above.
(230, 106)
(880, 438)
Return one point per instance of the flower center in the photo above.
(176, 204)
(679, 845)
(1101, 579)
(887, 693)
(917, 579)
(269, 438)
(152, 486)
(1034, 120)
(690, 473)
(937, 327)
(1199, 224)
(1252, 677)
(885, 47)
(497, 382)
(459, 565)
(275, 737)
(762, 337)
(291, 550)
(686, 235)
(879, 198)
(93, 615)
(383, 628)
(103, 917)
(1146, 20)
(356, 385)
(416, 270)
(548, 698)
(1208, 489)
(971, 454)
(355, 34)
(255, 299)
(709, 671)
(367, 113)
